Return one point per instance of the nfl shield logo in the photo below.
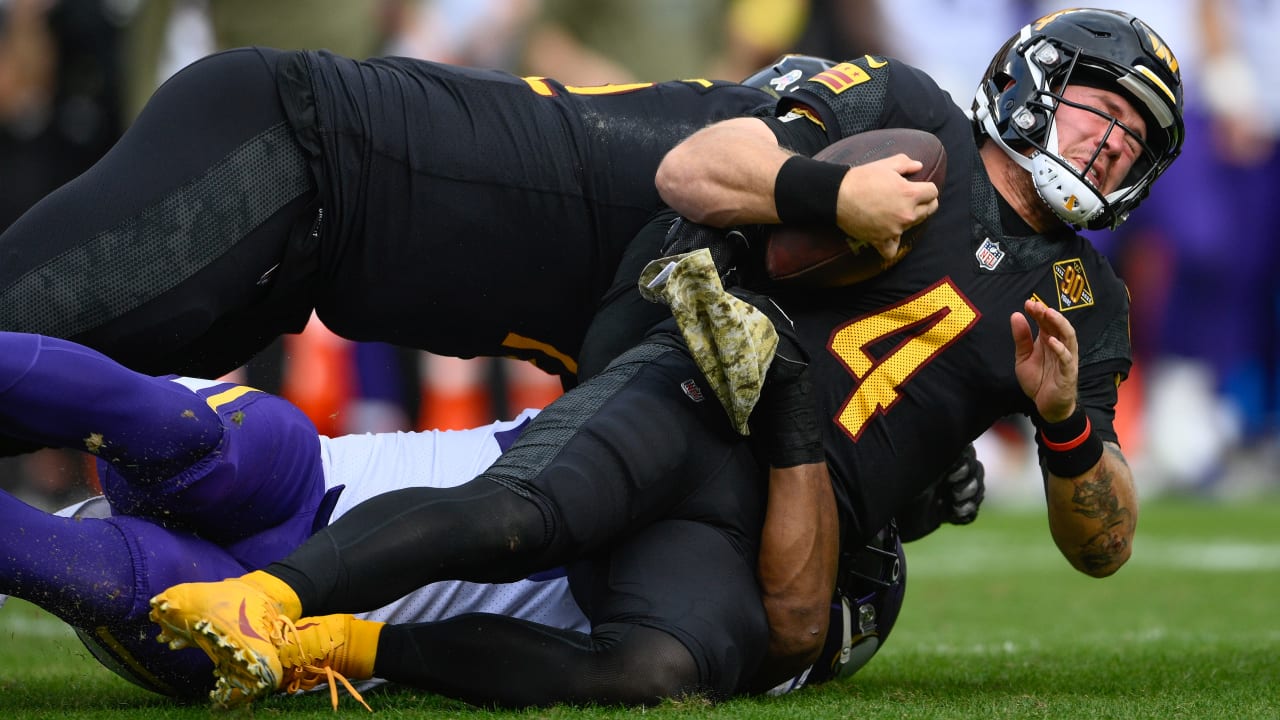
(691, 389)
(989, 254)
(780, 84)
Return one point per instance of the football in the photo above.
(826, 257)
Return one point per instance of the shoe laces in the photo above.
(309, 676)
(313, 663)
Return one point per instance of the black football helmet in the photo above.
(1022, 89)
(872, 583)
(786, 73)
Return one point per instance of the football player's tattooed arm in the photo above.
(799, 551)
(723, 175)
(1092, 516)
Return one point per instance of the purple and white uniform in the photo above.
(207, 480)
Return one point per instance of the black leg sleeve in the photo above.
(674, 610)
(609, 458)
(496, 660)
(399, 541)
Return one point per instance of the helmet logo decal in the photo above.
(1072, 285)
(782, 83)
(1071, 202)
(1162, 51)
(841, 77)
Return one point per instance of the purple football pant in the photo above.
(203, 485)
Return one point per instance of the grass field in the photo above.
(995, 625)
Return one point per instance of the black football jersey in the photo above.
(915, 363)
(473, 212)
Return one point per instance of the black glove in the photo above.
(953, 498)
(962, 488)
(726, 246)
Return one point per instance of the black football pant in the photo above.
(637, 484)
(186, 248)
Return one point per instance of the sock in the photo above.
(356, 657)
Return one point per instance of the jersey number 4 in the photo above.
(914, 331)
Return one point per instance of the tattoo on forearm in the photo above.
(1095, 499)
(1113, 450)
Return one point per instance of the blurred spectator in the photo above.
(594, 42)
(1208, 324)
(59, 94)
(756, 33)
(841, 29)
(169, 34)
(59, 112)
(952, 40)
(479, 33)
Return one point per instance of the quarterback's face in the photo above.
(1082, 132)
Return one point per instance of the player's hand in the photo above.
(726, 246)
(963, 488)
(877, 203)
(1047, 365)
(953, 498)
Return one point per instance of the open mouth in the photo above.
(1092, 176)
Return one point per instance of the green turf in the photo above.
(995, 625)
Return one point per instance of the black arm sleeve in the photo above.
(800, 135)
(624, 317)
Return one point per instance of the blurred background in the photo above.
(1198, 416)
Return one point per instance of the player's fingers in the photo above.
(1055, 324)
(1021, 335)
(922, 213)
(888, 247)
(1059, 349)
(929, 208)
(926, 192)
(904, 165)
